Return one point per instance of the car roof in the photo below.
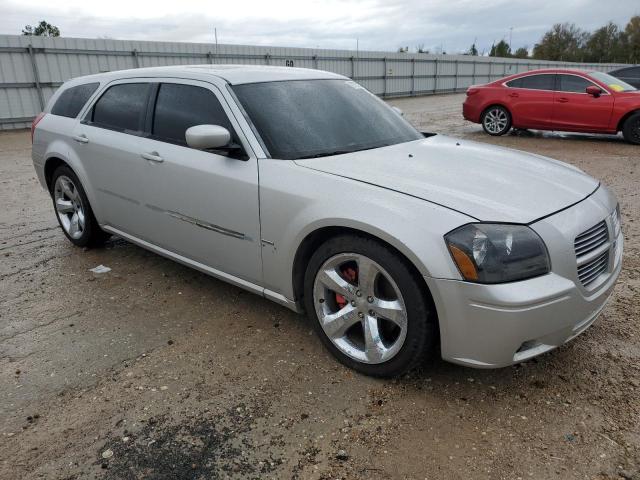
(233, 74)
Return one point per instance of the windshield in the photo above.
(612, 82)
(314, 118)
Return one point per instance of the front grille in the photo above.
(588, 272)
(591, 240)
(585, 246)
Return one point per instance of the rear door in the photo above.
(107, 141)
(530, 100)
(575, 109)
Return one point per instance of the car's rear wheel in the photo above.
(631, 129)
(368, 306)
(73, 210)
(496, 120)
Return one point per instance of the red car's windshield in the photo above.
(612, 82)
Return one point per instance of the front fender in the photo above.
(296, 201)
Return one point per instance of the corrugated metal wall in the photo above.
(32, 68)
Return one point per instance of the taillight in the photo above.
(35, 122)
(472, 91)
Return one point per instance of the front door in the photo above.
(575, 109)
(202, 205)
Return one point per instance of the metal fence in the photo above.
(32, 68)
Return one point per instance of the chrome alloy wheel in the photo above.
(69, 206)
(360, 308)
(495, 120)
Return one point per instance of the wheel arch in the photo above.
(50, 166)
(624, 118)
(496, 104)
(317, 237)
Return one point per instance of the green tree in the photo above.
(606, 44)
(473, 50)
(522, 52)
(43, 29)
(565, 41)
(632, 40)
(501, 49)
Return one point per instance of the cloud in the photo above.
(378, 24)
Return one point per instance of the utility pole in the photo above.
(215, 34)
(510, 37)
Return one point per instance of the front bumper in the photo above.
(490, 326)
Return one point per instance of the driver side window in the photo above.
(573, 84)
(179, 107)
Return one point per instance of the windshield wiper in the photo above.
(327, 154)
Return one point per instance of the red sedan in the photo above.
(564, 100)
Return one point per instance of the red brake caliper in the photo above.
(351, 275)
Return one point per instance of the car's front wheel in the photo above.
(496, 120)
(631, 129)
(368, 306)
(73, 210)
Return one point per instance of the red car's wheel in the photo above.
(631, 129)
(496, 120)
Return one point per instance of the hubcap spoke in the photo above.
(331, 279)
(337, 324)
(391, 310)
(64, 206)
(367, 273)
(73, 226)
(374, 348)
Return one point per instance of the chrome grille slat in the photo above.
(592, 241)
(592, 245)
(590, 267)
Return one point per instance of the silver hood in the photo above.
(486, 182)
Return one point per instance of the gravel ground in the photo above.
(156, 371)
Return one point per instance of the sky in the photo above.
(451, 25)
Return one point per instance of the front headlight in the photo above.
(497, 253)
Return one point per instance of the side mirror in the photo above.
(204, 137)
(594, 91)
(398, 111)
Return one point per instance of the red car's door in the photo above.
(575, 109)
(530, 100)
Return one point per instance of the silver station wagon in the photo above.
(301, 186)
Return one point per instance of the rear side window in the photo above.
(533, 82)
(71, 101)
(122, 107)
(179, 107)
(573, 84)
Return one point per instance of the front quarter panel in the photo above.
(296, 201)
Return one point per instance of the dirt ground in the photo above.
(156, 371)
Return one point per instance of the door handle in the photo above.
(514, 95)
(152, 157)
(81, 138)
(563, 100)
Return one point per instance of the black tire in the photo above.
(92, 235)
(496, 120)
(421, 332)
(631, 129)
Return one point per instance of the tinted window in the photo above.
(314, 118)
(71, 101)
(179, 107)
(537, 82)
(122, 107)
(572, 83)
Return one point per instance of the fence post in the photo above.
(353, 68)
(136, 62)
(266, 59)
(384, 88)
(455, 85)
(36, 77)
(209, 57)
(435, 76)
(315, 61)
(473, 74)
(413, 77)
